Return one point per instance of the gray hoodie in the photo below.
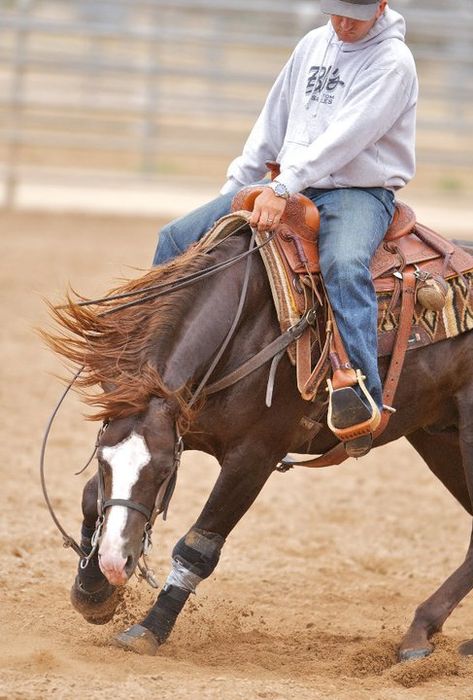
(338, 115)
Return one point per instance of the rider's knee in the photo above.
(167, 247)
(344, 264)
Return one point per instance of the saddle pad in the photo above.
(423, 248)
(428, 326)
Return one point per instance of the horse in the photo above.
(151, 354)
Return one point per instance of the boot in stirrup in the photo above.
(351, 418)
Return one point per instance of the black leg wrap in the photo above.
(162, 616)
(199, 551)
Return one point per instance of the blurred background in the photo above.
(137, 106)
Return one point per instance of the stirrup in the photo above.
(352, 420)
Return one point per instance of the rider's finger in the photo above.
(255, 216)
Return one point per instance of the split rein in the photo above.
(273, 350)
(163, 498)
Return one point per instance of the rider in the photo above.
(340, 120)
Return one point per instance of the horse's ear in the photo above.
(168, 405)
(107, 387)
(159, 425)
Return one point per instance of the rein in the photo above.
(172, 286)
(166, 489)
(233, 327)
(274, 351)
(68, 541)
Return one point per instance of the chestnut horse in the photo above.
(149, 354)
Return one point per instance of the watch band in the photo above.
(279, 189)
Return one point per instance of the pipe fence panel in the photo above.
(148, 88)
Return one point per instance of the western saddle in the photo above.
(411, 265)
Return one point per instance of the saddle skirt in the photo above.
(292, 264)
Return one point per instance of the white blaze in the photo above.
(126, 461)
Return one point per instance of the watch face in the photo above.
(280, 190)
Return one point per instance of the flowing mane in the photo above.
(117, 347)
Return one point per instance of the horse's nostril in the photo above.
(129, 563)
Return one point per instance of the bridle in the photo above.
(161, 505)
(273, 351)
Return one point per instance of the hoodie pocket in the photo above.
(298, 133)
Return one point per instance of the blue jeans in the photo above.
(178, 235)
(353, 222)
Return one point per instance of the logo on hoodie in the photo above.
(323, 79)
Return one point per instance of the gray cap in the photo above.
(356, 9)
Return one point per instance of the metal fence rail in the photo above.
(149, 87)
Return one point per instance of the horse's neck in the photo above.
(203, 324)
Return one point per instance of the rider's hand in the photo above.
(267, 210)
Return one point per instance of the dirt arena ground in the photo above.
(315, 586)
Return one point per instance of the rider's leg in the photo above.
(177, 236)
(353, 222)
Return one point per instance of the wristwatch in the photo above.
(279, 189)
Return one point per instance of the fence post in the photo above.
(149, 130)
(16, 108)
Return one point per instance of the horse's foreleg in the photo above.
(450, 457)
(196, 555)
(91, 594)
(194, 558)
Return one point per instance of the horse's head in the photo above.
(138, 459)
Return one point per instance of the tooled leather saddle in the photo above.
(410, 257)
(406, 244)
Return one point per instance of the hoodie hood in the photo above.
(391, 25)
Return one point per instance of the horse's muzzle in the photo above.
(116, 569)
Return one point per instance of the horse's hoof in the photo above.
(414, 654)
(138, 639)
(466, 648)
(98, 607)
